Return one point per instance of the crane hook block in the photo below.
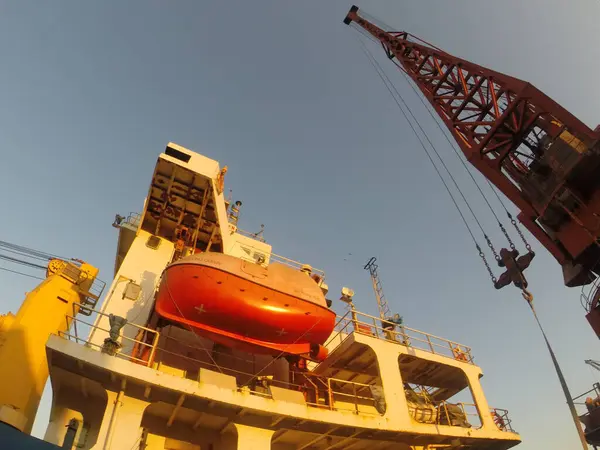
(515, 265)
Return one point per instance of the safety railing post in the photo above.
(430, 344)
(355, 397)
(74, 322)
(445, 406)
(375, 327)
(153, 349)
(330, 393)
(67, 325)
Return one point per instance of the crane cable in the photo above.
(510, 217)
(563, 383)
(21, 273)
(22, 261)
(25, 251)
(459, 155)
(21, 253)
(526, 295)
(383, 76)
(469, 171)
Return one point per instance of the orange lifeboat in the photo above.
(275, 309)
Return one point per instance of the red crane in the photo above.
(544, 159)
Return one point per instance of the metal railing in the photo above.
(150, 348)
(352, 393)
(589, 294)
(589, 409)
(468, 417)
(585, 409)
(90, 294)
(133, 219)
(143, 346)
(356, 322)
(321, 392)
(256, 236)
(270, 257)
(501, 419)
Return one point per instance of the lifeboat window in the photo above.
(437, 393)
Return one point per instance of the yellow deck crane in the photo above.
(70, 288)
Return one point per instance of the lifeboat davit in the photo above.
(275, 309)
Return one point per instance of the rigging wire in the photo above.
(31, 252)
(21, 273)
(23, 262)
(561, 377)
(368, 54)
(510, 217)
(16, 252)
(451, 142)
(383, 76)
(26, 254)
(459, 155)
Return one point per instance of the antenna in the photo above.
(259, 234)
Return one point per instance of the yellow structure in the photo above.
(48, 309)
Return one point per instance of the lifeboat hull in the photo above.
(242, 305)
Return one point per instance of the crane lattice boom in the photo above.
(539, 155)
(382, 304)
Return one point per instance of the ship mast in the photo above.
(382, 303)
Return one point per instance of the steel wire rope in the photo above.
(16, 252)
(21, 273)
(23, 262)
(31, 251)
(425, 135)
(460, 156)
(561, 379)
(510, 217)
(375, 65)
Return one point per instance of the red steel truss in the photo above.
(544, 159)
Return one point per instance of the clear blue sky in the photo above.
(318, 152)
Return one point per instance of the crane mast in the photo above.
(382, 304)
(539, 155)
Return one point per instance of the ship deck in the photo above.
(340, 412)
